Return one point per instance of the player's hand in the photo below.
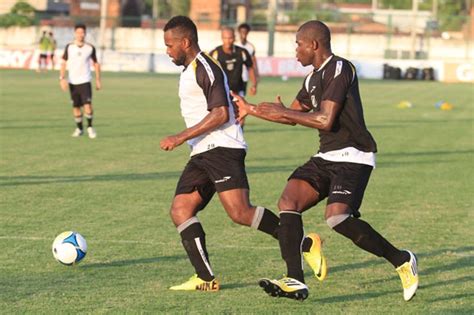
(98, 85)
(170, 142)
(63, 84)
(272, 110)
(241, 106)
(253, 90)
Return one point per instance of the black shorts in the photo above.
(81, 94)
(43, 56)
(219, 169)
(338, 181)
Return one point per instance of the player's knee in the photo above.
(334, 220)
(285, 203)
(240, 217)
(179, 214)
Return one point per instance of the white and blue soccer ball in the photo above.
(69, 248)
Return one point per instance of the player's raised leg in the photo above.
(237, 205)
(339, 218)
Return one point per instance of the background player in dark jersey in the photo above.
(78, 57)
(217, 160)
(330, 102)
(232, 59)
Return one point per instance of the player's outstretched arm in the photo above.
(322, 119)
(245, 108)
(216, 117)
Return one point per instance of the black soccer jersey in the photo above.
(233, 64)
(336, 80)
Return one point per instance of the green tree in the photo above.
(21, 14)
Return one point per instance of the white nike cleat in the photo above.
(77, 133)
(91, 132)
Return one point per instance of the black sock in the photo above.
(290, 238)
(267, 221)
(307, 242)
(78, 120)
(193, 237)
(364, 236)
(89, 119)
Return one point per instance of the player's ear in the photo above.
(314, 44)
(186, 42)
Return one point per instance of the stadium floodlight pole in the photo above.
(103, 25)
(271, 26)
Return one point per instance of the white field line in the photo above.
(143, 242)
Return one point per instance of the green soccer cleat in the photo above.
(197, 284)
(286, 287)
(408, 273)
(315, 258)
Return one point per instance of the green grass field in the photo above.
(116, 191)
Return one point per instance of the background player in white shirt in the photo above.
(77, 57)
(244, 30)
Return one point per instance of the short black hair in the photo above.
(246, 26)
(186, 26)
(80, 25)
(317, 30)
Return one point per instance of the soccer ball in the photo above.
(69, 248)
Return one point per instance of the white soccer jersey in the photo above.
(251, 49)
(78, 60)
(203, 86)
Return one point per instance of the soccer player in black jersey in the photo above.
(217, 162)
(329, 101)
(232, 59)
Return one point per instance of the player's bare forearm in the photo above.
(255, 67)
(258, 111)
(322, 119)
(62, 76)
(253, 79)
(217, 117)
(97, 71)
(62, 70)
(98, 82)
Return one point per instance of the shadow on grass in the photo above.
(463, 261)
(453, 297)
(128, 262)
(356, 297)
(36, 180)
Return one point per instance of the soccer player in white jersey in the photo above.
(328, 101)
(217, 162)
(78, 57)
(244, 30)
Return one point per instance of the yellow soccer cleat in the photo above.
(286, 287)
(315, 258)
(197, 284)
(408, 273)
